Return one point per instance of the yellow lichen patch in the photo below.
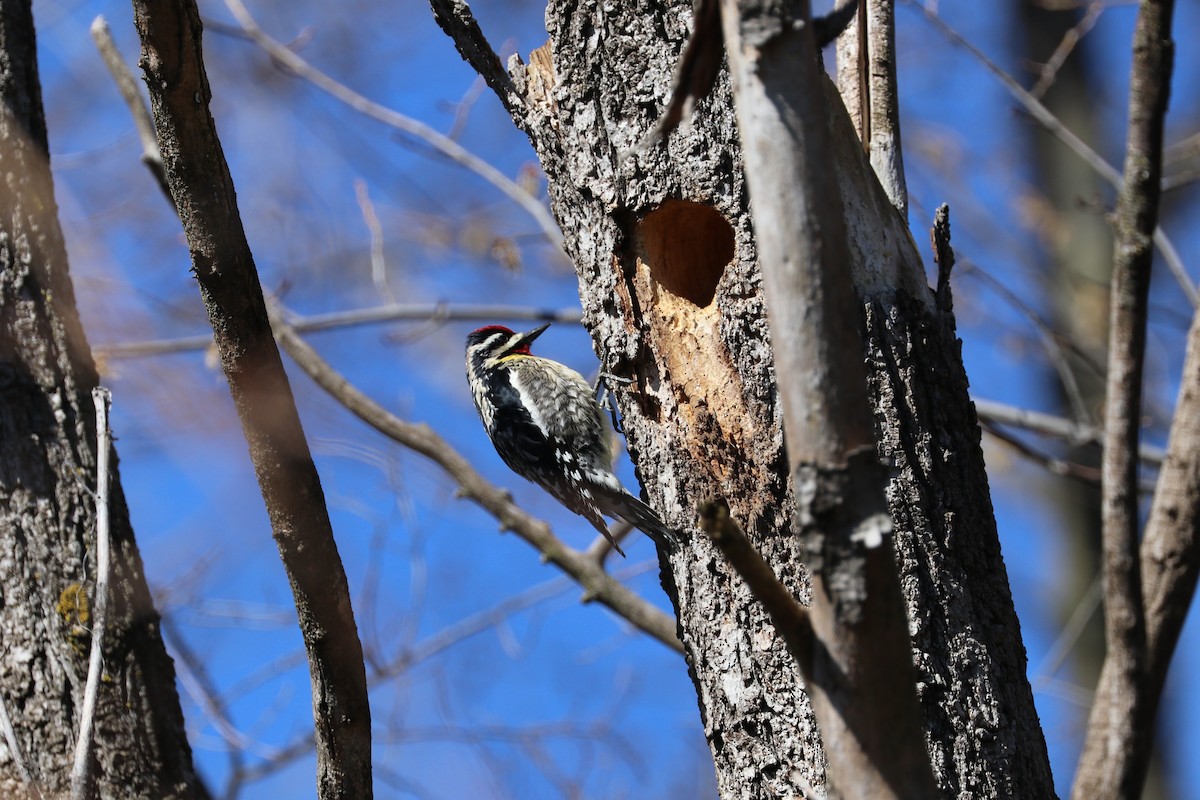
(76, 612)
(73, 605)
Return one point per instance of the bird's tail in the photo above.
(623, 505)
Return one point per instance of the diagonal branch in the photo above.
(598, 584)
(789, 617)
(1170, 552)
(454, 17)
(1118, 744)
(127, 85)
(204, 197)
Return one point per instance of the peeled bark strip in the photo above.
(47, 509)
(671, 293)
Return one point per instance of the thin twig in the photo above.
(1055, 466)
(82, 768)
(1050, 425)
(400, 312)
(602, 546)
(1069, 40)
(1068, 636)
(440, 142)
(195, 681)
(410, 656)
(1052, 343)
(378, 262)
(1044, 117)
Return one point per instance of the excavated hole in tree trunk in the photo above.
(681, 250)
(686, 246)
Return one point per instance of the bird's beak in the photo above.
(525, 339)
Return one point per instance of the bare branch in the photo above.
(1088, 605)
(81, 769)
(455, 19)
(867, 81)
(224, 268)
(378, 262)
(1062, 428)
(1044, 117)
(1055, 343)
(196, 683)
(14, 752)
(1171, 545)
(598, 584)
(1056, 466)
(399, 312)
(442, 143)
(1070, 39)
(602, 546)
(1117, 748)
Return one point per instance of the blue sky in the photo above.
(556, 690)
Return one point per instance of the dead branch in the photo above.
(451, 149)
(789, 617)
(866, 55)
(81, 769)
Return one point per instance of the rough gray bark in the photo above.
(47, 511)
(671, 292)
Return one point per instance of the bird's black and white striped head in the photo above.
(489, 350)
(488, 345)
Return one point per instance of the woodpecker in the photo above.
(545, 423)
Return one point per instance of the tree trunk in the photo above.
(47, 510)
(671, 293)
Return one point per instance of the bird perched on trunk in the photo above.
(545, 423)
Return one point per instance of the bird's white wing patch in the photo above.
(529, 401)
